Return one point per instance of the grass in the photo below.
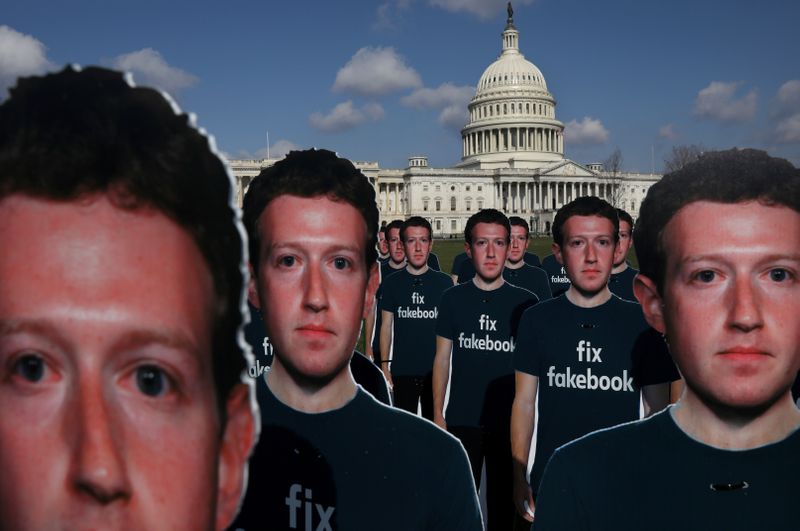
(446, 250)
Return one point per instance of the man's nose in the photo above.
(98, 454)
(315, 296)
(745, 306)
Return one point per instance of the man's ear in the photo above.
(468, 250)
(252, 288)
(373, 281)
(556, 248)
(238, 440)
(647, 294)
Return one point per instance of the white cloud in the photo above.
(388, 14)
(150, 68)
(276, 150)
(667, 132)
(718, 102)
(788, 129)
(788, 97)
(454, 116)
(587, 131)
(375, 72)
(444, 95)
(279, 148)
(451, 99)
(345, 116)
(484, 9)
(20, 55)
(787, 112)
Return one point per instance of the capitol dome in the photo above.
(511, 68)
(512, 120)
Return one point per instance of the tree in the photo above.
(612, 177)
(682, 155)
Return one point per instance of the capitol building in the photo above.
(512, 159)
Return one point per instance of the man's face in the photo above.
(519, 243)
(624, 243)
(587, 252)
(488, 250)
(312, 283)
(383, 244)
(108, 415)
(396, 251)
(417, 246)
(731, 304)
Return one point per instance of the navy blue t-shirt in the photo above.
(621, 284)
(364, 466)
(458, 261)
(531, 259)
(532, 278)
(482, 326)
(414, 300)
(591, 364)
(650, 475)
(559, 282)
(433, 262)
(386, 272)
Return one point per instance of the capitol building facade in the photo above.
(512, 160)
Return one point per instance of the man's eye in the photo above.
(151, 380)
(341, 263)
(287, 261)
(705, 276)
(30, 367)
(779, 275)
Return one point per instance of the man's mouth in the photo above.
(314, 331)
(743, 353)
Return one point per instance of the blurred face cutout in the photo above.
(587, 252)
(488, 250)
(731, 301)
(108, 413)
(624, 243)
(417, 246)
(312, 284)
(519, 244)
(396, 252)
(383, 245)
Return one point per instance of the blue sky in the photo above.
(380, 81)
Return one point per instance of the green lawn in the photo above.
(446, 250)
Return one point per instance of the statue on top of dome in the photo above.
(510, 11)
